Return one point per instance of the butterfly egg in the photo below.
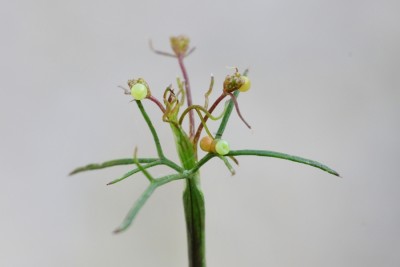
(206, 143)
(139, 91)
(222, 147)
(219, 146)
(246, 84)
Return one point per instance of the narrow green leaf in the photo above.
(132, 172)
(146, 195)
(111, 163)
(227, 164)
(273, 154)
(136, 208)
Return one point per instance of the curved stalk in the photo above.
(188, 94)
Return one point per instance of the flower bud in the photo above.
(180, 44)
(236, 82)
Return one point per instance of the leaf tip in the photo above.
(117, 231)
(73, 172)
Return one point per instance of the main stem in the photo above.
(193, 201)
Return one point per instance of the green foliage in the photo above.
(186, 144)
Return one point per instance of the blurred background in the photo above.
(325, 85)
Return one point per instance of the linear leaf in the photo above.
(111, 163)
(273, 154)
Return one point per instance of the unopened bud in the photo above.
(180, 44)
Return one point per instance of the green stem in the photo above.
(153, 131)
(193, 200)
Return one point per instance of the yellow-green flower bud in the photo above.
(236, 82)
(180, 44)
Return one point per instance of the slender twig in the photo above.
(188, 94)
(158, 103)
(238, 110)
(190, 51)
(207, 94)
(214, 105)
(197, 108)
(181, 92)
(160, 52)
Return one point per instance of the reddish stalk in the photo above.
(188, 94)
(200, 128)
(238, 110)
(152, 98)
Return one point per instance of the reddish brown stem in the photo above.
(155, 100)
(188, 94)
(238, 110)
(200, 128)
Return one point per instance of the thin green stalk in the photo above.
(188, 93)
(153, 131)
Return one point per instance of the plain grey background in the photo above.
(325, 85)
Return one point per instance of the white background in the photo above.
(325, 85)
